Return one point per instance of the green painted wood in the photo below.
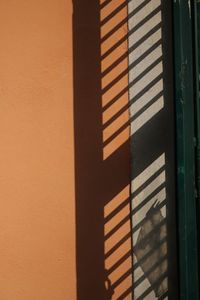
(186, 187)
(196, 53)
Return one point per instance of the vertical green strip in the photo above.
(184, 96)
(196, 38)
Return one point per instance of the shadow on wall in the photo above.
(102, 151)
(99, 178)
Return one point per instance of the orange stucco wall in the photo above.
(37, 237)
(46, 206)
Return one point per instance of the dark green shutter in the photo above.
(187, 125)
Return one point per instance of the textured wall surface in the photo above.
(146, 59)
(64, 154)
(102, 150)
(152, 149)
(115, 119)
(37, 230)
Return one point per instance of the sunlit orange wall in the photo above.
(37, 204)
(37, 231)
(114, 52)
